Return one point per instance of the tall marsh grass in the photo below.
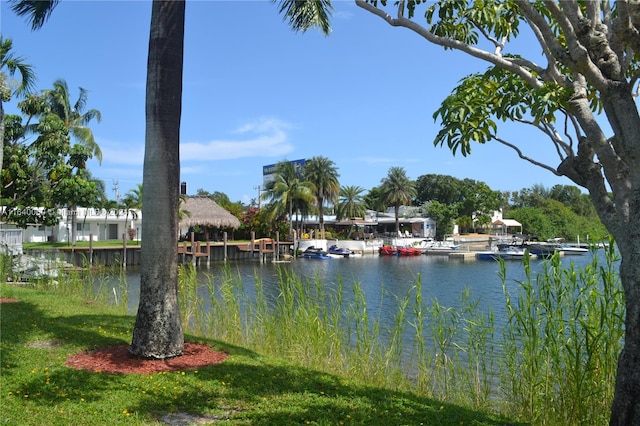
(564, 333)
(553, 362)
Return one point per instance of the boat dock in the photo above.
(463, 255)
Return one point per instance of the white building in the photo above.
(101, 223)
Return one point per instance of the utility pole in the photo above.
(259, 194)
(115, 188)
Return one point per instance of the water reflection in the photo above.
(383, 280)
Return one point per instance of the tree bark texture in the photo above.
(158, 331)
(626, 404)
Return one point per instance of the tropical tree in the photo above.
(74, 116)
(9, 64)
(530, 197)
(158, 331)
(398, 190)
(131, 203)
(288, 190)
(474, 200)
(75, 119)
(586, 63)
(572, 197)
(479, 202)
(351, 203)
(48, 171)
(374, 199)
(323, 174)
(444, 215)
(441, 188)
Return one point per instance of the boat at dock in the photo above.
(409, 251)
(505, 252)
(314, 253)
(429, 246)
(543, 250)
(387, 250)
(335, 251)
(567, 248)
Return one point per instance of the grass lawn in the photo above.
(108, 243)
(81, 244)
(42, 328)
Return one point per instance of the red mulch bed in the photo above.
(116, 359)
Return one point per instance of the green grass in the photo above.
(248, 388)
(82, 244)
(104, 243)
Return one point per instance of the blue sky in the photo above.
(256, 93)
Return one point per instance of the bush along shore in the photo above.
(308, 357)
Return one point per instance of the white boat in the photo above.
(429, 246)
(506, 253)
(568, 249)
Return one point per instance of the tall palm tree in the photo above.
(351, 203)
(132, 203)
(287, 190)
(158, 332)
(74, 116)
(323, 173)
(398, 190)
(9, 64)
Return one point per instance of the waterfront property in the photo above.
(90, 223)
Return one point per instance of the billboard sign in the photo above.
(269, 170)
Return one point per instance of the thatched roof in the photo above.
(203, 211)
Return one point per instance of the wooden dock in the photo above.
(264, 247)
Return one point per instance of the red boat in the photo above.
(388, 251)
(409, 251)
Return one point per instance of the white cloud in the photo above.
(262, 138)
(118, 153)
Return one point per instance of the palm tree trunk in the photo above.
(1, 140)
(73, 211)
(158, 331)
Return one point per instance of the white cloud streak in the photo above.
(262, 138)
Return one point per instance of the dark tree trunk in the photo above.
(158, 330)
(1, 140)
(626, 404)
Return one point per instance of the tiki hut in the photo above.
(205, 213)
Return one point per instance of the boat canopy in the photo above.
(505, 224)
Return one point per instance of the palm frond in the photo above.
(36, 12)
(305, 14)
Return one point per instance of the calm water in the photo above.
(384, 279)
